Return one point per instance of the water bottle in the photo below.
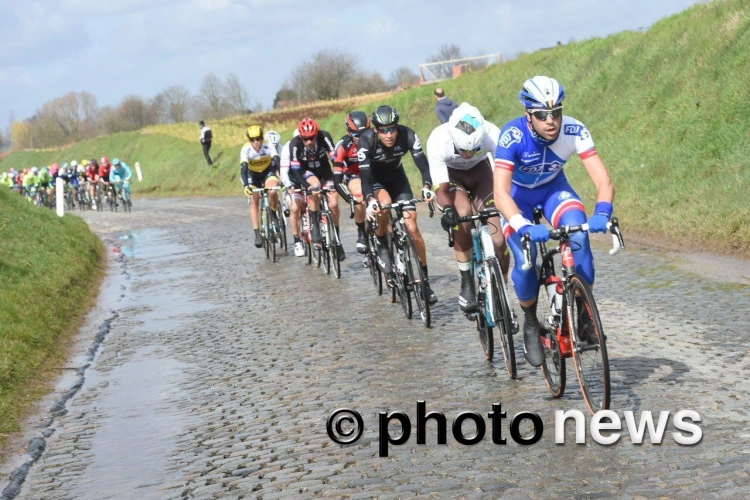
(554, 289)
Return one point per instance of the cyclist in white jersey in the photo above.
(529, 161)
(460, 156)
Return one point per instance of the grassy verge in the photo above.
(51, 268)
(666, 108)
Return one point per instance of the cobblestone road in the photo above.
(220, 370)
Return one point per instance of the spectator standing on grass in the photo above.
(206, 138)
(445, 105)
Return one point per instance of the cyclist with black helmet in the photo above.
(310, 155)
(529, 161)
(259, 164)
(460, 153)
(384, 180)
(346, 169)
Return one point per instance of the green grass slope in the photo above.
(667, 109)
(50, 268)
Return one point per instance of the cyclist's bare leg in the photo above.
(384, 199)
(502, 252)
(295, 209)
(460, 201)
(333, 204)
(273, 196)
(410, 219)
(254, 217)
(313, 199)
(355, 188)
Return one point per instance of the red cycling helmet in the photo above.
(104, 160)
(308, 128)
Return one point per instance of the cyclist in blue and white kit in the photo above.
(121, 172)
(529, 161)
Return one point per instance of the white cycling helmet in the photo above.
(81, 168)
(541, 92)
(466, 126)
(273, 137)
(73, 164)
(34, 170)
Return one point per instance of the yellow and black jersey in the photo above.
(257, 161)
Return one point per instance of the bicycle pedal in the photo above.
(471, 316)
(366, 264)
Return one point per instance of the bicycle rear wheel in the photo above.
(589, 345)
(553, 367)
(501, 311)
(416, 279)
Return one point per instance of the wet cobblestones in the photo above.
(218, 376)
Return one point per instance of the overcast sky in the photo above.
(113, 48)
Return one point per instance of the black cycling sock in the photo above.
(337, 230)
(296, 238)
(529, 311)
(424, 270)
(361, 227)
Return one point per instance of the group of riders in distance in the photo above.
(488, 181)
(88, 185)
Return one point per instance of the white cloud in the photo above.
(381, 27)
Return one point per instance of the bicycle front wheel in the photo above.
(589, 345)
(486, 337)
(501, 312)
(372, 263)
(333, 249)
(416, 280)
(553, 367)
(400, 279)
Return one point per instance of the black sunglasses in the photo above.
(543, 114)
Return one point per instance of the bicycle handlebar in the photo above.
(266, 189)
(564, 231)
(482, 216)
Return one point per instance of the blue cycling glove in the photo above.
(537, 232)
(598, 221)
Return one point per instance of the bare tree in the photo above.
(237, 98)
(446, 53)
(284, 97)
(323, 76)
(178, 103)
(134, 113)
(211, 98)
(403, 77)
(158, 108)
(363, 83)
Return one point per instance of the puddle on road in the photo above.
(131, 447)
(149, 243)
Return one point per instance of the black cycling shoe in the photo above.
(467, 299)
(361, 244)
(431, 297)
(384, 258)
(532, 344)
(340, 252)
(258, 239)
